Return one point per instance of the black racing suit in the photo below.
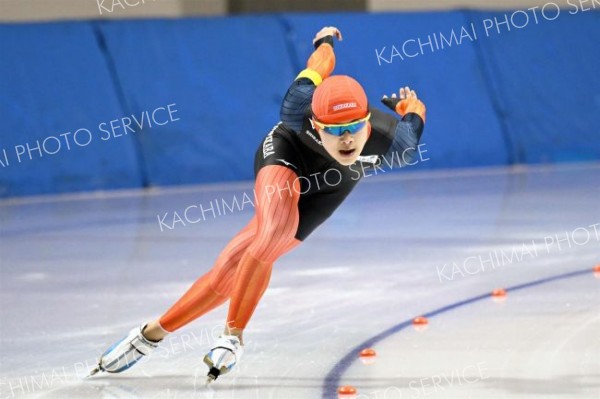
(325, 183)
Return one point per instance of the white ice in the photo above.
(78, 271)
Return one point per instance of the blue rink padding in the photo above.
(545, 81)
(227, 76)
(462, 128)
(525, 96)
(54, 80)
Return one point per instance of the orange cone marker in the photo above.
(367, 356)
(499, 295)
(346, 392)
(596, 270)
(420, 323)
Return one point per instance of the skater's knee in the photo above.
(272, 244)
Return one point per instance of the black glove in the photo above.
(324, 39)
(391, 102)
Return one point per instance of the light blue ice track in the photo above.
(332, 380)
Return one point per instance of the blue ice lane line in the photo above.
(332, 380)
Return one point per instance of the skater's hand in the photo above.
(404, 103)
(391, 102)
(327, 31)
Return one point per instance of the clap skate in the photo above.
(125, 353)
(223, 356)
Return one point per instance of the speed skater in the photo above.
(327, 125)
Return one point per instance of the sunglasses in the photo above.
(340, 129)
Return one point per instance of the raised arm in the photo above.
(320, 65)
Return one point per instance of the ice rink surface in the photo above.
(77, 272)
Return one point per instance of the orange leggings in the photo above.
(243, 269)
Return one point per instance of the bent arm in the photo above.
(407, 135)
(395, 138)
(297, 100)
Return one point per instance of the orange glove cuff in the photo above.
(409, 105)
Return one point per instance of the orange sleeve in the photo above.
(411, 105)
(320, 64)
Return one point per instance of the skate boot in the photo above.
(125, 353)
(223, 356)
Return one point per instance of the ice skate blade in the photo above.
(212, 375)
(95, 371)
(209, 380)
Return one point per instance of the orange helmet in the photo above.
(339, 99)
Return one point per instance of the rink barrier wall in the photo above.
(527, 95)
(54, 81)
